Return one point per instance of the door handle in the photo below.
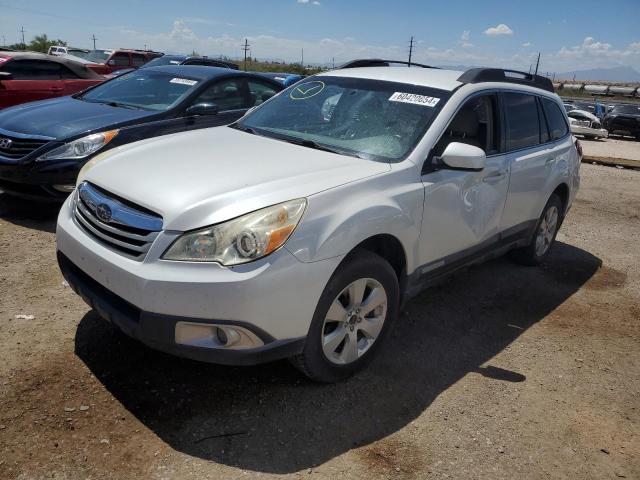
(494, 177)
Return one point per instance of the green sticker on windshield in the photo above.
(307, 90)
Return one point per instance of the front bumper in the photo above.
(589, 132)
(35, 180)
(274, 298)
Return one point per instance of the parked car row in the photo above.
(44, 144)
(25, 77)
(618, 119)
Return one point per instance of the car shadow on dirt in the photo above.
(270, 419)
(34, 215)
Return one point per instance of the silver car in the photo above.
(298, 231)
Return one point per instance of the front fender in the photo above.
(337, 220)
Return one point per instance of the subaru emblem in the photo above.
(103, 211)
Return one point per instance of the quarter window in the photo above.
(138, 60)
(523, 122)
(120, 59)
(555, 118)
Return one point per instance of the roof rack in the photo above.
(481, 75)
(377, 62)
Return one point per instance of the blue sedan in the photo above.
(44, 144)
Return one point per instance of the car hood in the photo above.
(199, 178)
(589, 115)
(65, 117)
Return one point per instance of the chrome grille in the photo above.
(123, 227)
(15, 148)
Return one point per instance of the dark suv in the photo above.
(623, 119)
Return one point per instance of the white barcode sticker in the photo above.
(183, 81)
(414, 98)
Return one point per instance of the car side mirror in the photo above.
(462, 156)
(203, 109)
(6, 76)
(111, 62)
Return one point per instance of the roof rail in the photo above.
(481, 75)
(377, 62)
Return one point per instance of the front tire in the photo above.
(544, 236)
(354, 315)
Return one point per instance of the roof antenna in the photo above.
(537, 64)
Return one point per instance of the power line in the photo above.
(410, 50)
(246, 47)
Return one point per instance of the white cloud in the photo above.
(184, 36)
(464, 39)
(527, 44)
(593, 54)
(309, 2)
(500, 29)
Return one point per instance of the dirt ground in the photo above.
(501, 372)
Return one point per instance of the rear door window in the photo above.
(557, 123)
(228, 94)
(33, 70)
(523, 121)
(259, 92)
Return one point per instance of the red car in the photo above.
(26, 77)
(108, 61)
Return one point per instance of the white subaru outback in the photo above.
(298, 231)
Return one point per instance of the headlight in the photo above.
(81, 147)
(242, 239)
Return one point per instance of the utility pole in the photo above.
(537, 63)
(333, 62)
(24, 45)
(93, 37)
(4, 41)
(302, 61)
(410, 50)
(145, 47)
(246, 47)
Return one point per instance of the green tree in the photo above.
(41, 43)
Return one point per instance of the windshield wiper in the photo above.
(122, 105)
(111, 103)
(320, 146)
(242, 128)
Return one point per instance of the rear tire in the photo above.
(353, 317)
(544, 235)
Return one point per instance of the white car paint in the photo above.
(204, 177)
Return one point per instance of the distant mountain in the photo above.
(615, 74)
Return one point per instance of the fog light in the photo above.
(227, 336)
(207, 335)
(64, 188)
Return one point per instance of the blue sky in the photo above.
(570, 34)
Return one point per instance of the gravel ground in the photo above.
(614, 147)
(500, 372)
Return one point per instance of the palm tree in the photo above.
(41, 43)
